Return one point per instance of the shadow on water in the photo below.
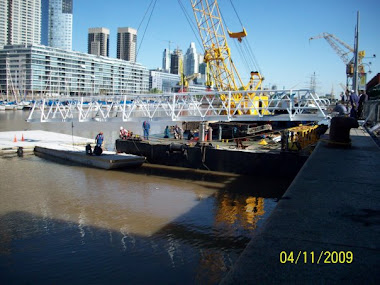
(40, 250)
(239, 184)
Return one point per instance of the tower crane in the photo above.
(344, 51)
(217, 54)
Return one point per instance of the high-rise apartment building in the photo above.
(57, 23)
(3, 23)
(166, 61)
(43, 70)
(127, 44)
(98, 41)
(20, 22)
(175, 61)
(191, 60)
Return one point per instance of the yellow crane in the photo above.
(345, 52)
(217, 55)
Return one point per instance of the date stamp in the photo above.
(323, 257)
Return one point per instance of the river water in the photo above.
(66, 224)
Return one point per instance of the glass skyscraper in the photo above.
(57, 23)
(191, 60)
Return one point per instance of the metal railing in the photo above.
(271, 105)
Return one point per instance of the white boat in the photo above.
(23, 105)
(2, 108)
(10, 107)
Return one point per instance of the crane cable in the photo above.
(146, 27)
(192, 25)
(248, 53)
(239, 48)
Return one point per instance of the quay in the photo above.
(30, 139)
(52, 145)
(326, 227)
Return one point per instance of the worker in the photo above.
(166, 132)
(340, 109)
(342, 97)
(99, 139)
(146, 128)
(362, 99)
(99, 142)
(354, 100)
(123, 133)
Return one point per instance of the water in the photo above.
(68, 224)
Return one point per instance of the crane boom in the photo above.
(217, 53)
(338, 46)
(217, 56)
(334, 43)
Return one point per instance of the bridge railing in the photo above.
(269, 105)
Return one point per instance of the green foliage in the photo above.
(155, 91)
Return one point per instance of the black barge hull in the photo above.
(268, 164)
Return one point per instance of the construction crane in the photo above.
(345, 52)
(183, 84)
(217, 55)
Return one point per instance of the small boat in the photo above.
(107, 160)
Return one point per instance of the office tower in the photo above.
(191, 60)
(166, 61)
(126, 44)
(98, 41)
(57, 23)
(20, 22)
(175, 61)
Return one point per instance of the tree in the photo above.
(155, 91)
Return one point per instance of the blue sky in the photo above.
(278, 32)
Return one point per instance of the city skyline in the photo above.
(278, 33)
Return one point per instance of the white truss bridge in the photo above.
(272, 105)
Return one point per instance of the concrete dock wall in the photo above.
(326, 227)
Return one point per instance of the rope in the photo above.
(139, 150)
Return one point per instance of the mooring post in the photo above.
(220, 132)
(202, 131)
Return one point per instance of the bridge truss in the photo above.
(273, 105)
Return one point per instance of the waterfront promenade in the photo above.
(333, 205)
